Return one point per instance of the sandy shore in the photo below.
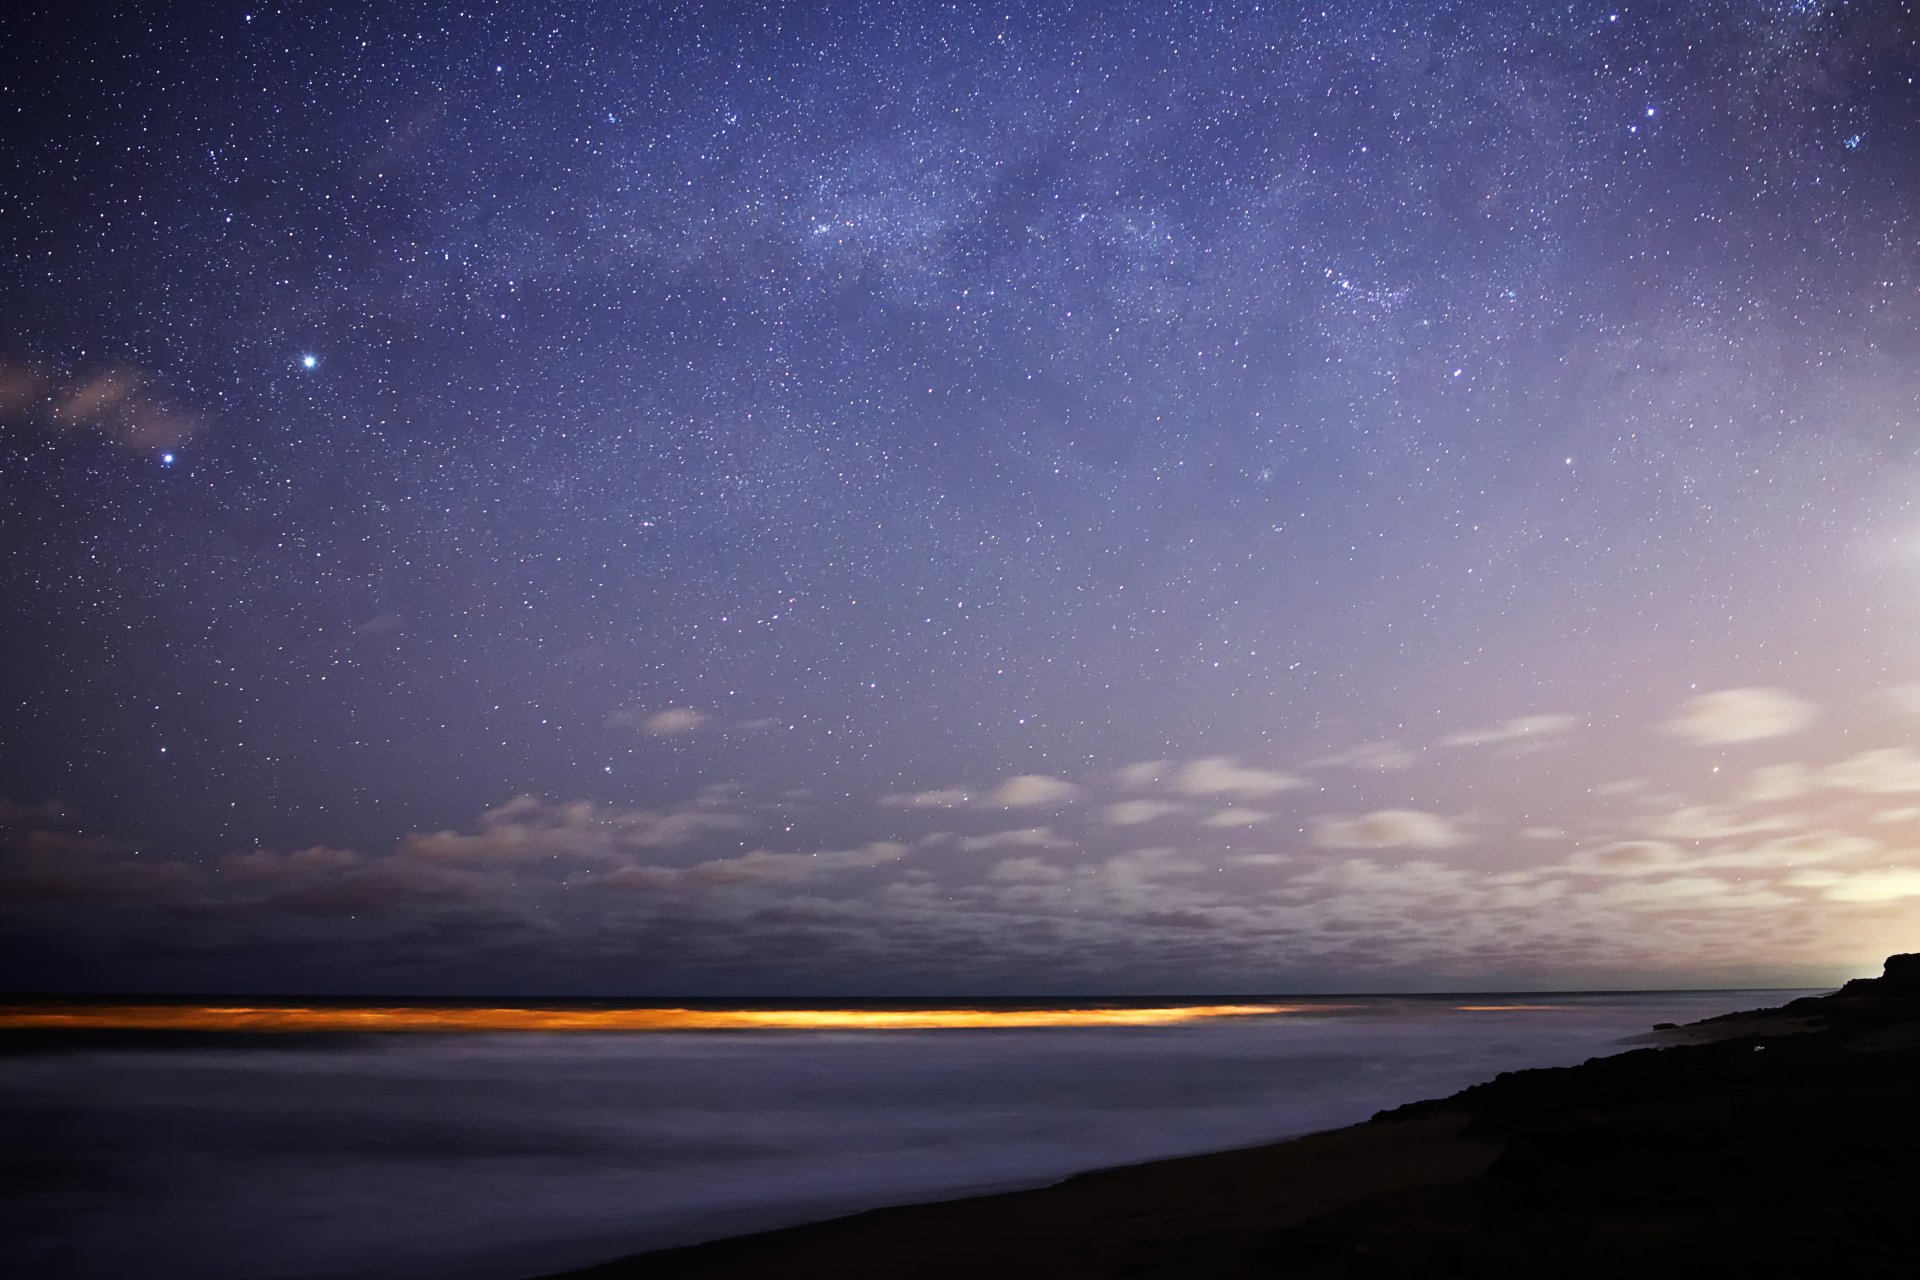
(1770, 1143)
(1214, 1212)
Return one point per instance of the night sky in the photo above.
(865, 498)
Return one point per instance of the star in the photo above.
(309, 361)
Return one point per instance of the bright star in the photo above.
(309, 362)
(166, 459)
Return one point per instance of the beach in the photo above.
(1771, 1142)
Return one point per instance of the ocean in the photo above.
(498, 1155)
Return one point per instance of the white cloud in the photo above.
(1628, 858)
(1792, 851)
(1711, 822)
(1146, 773)
(528, 827)
(1033, 791)
(1369, 755)
(1534, 728)
(1543, 833)
(1773, 783)
(1388, 829)
(1740, 715)
(1658, 857)
(947, 798)
(1885, 885)
(1695, 893)
(1225, 776)
(757, 867)
(664, 723)
(1026, 871)
(1881, 772)
(1906, 813)
(1024, 838)
(1133, 813)
(1233, 816)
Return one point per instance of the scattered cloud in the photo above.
(1882, 885)
(1236, 816)
(1884, 771)
(1024, 838)
(760, 867)
(1740, 715)
(118, 403)
(1369, 755)
(1529, 729)
(1389, 829)
(1712, 822)
(1774, 783)
(1628, 858)
(22, 813)
(944, 798)
(1147, 773)
(527, 827)
(1226, 776)
(1026, 871)
(1905, 698)
(671, 721)
(1034, 791)
(1133, 813)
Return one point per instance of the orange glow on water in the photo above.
(1504, 1008)
(451, 1018)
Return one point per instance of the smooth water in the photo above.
(497, 1156)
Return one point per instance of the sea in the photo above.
(504, 1155)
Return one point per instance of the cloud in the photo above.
(1773, 783)
(1034, 791)
(22, 813)
(1225, 776)
(1711, 822)
(760, 867)
(1628, 858)
(1885, 885)
(1694, 893)
(1884, 771)
(116, 403)
(1905, 698)
(1533, 729)
(1388, 829)
(268, 866)
(1025, 838)
(1232, 816)
(1026, 871)
(1133, 813)
(528, 827)
(1369, 755)
(947, 798)
(1146, 773)
(1655, 857)
(667, 722)
(1740, 715)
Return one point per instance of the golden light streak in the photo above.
(443, 1018)
(1504, 1008)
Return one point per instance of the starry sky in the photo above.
(904, 498)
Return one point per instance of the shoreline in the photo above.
(1529, 1172)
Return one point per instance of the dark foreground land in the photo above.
(1775, 1143)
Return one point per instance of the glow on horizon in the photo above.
(286, 1018)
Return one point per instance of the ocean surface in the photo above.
(501, 1155)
